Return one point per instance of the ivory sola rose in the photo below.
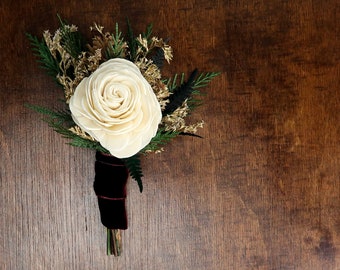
(117, 107)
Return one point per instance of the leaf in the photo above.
(46, 59)
(70, 40)
(162, 137)
(204, 78)
(135, 170)
(116, 47)
(61, 121)
(148, 32)
(85, 143)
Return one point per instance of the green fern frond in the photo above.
(61, 121)
(76, 140)
(46, 60)
(172, 83)
(63, 116)
(70, 40)
(116, 49)
(162, 138)
(85, 143)
(148, 32)
(203, 79)
(134, 166)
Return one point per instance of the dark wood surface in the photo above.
(260, 191)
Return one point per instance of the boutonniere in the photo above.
(117, 102)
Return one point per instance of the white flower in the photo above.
(117, 107)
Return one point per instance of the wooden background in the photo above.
(260, 191)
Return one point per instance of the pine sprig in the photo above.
(70, 40)
(61, 116)
(148, 32)
(75, 140)
(134, 166)
(78, 141)
(203, 79)
(172, 84)
(46, 60)
(162, 137)
(117, 47)
(61, 121)
(180, 94)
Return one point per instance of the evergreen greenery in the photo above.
(44, 55)
(135, 169)
(203, 79)
(117, 47)
(61, 121)
(70, 40)
(162, 137)
(60, 116)
(148, 32)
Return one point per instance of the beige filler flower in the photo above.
(117, 107)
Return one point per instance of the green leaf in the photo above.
(116, 48)
(71, 41)
(61, 121)
(85, 143)
(162, 137)
(60, 115)
(46, 59)
(148, 32)
(135, 170)
(203, 79)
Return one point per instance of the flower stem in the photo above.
(114, 242)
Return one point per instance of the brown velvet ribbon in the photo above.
(111, 177)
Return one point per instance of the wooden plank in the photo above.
(260, 191)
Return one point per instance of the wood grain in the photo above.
(260, 191)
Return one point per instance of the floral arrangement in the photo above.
(117, 103)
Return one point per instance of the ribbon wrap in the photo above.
(111, 177)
